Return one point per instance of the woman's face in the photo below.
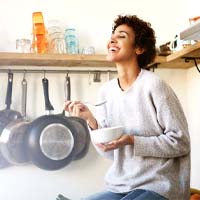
(121, 44)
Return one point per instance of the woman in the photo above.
(151, 161)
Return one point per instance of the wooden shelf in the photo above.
(60, 60)
(63, 60)
(175, 60)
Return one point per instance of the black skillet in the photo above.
(82, 135)
(50, 138)
(13, 147)
(80, 125)
(7, 115)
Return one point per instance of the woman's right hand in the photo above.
(78, 109)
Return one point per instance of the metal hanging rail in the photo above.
(56, 71)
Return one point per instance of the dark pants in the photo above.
(137, 194)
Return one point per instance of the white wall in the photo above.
(93, 21)
(193, 98)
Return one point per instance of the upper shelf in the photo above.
(68, 60)
(175, 60)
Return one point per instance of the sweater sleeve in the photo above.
(174, 141)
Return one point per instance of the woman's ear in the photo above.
(139, 51)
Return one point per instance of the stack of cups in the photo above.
(56, 37)
(39, 43)
(71, 41)
(23, 45)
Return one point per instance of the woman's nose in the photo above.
(112, 40)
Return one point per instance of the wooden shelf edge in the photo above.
(188, 51)
(24, 59)
(175, 60)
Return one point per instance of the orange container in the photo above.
(39, 28)
(39, 42)
(37, 17)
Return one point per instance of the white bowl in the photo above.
(104, 135)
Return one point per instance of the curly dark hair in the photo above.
(144, 37)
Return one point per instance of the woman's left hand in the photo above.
(115, 144)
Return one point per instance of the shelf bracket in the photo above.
(152, 66)
(187, 59)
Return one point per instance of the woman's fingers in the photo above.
(66, 105)
(75, 108)
(121, 141)
(69, 105)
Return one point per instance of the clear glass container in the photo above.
(71, 41)
(56, 37)
(23, 45)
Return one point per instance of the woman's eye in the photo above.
(122, 36)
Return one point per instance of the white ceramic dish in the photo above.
(105, 135)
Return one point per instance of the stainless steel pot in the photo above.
(6, 116)
(13, 147)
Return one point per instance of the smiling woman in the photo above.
(155, 133)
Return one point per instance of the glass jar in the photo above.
(56, 37)
(88, 50)
(71, 41)
(23, 45)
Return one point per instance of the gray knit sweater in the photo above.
(159, 160)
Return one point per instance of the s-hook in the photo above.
(44, 74)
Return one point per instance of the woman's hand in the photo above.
(78, 109)
(115, 144)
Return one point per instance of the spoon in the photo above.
(96, 104)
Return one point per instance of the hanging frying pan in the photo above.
(50, 138)
(80, 125)
(13, 135)
(83, 137)
(7, 115)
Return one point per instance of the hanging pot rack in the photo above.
(71, 71)
(96, 73)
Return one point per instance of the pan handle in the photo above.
(24, 97)
(9, 90)
(67, 86)
(45, 83)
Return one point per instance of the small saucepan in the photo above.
(12, 147)
(7, 115)
(80, 125)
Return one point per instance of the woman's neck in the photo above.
(127, 75)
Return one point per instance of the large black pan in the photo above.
(7, 115)
(13, 147)
(50, 138)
